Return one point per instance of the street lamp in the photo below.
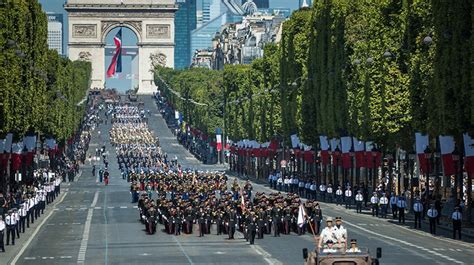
(428, 40)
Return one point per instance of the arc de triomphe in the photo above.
(151, 20)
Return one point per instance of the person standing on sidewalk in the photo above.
(393, 205)
(359, 200)
(339, 196)
(374, 203)
(432, 215)
(417, 209)
(383, 205)
(457, 220)
(2, 232)
(348, 197)
(401, 205)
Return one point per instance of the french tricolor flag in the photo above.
(469, 158)
(447, 149)
(116, 64)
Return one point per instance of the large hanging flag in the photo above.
(469, 152)
(346, 146)
(323, 141)
(359, 149)
(422, 142)
(447, 149)
(116, 64)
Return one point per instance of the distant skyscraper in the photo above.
(55, 32)
(185, 22)
(309, 2)
(260, 3)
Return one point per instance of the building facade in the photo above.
(185, 23)
(55, 32)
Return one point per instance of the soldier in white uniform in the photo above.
(432, 215)
(16, 215)
(341, 234)
(418, 210)
(353, 248)
(383, 205)
(339, 196)
(23, 213)
(327, 235)
(322, 192)
(10, 221)
(329, 192)
(348, 197)
(374, 202)
(2, 233)
(359, 200)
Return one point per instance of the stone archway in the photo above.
(90, 22)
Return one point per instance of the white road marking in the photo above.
(65, 257)
(27, 243)
(30, 258)
(434, 253)
(78, 175)
(81, 257)
(145, 254)
(98, 208)
(123, 207)
(136, 207)
(266, 256)
(182, 250)
(260, 251)
(110, 207)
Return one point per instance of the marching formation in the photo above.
(188, 201)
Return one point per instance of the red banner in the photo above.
(324, 157)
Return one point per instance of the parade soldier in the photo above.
(330, 194)
(276, 221)
(417, 209)
(401, 205)
(374, 201)
(16, 215)
(231, 224)
(457, 220)
(341, 234)
(322, 191)
(2, 233)
(353, 248)
(317, 218)
(219, 222)
(10, 222)
(348, 197)
(383, 205)
(23, 214)
(393, 205)
(327, 234)
(359, 200)
(252, 227)
(339, 196)
(261, 226)
(432, 215)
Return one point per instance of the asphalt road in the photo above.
(95, 224)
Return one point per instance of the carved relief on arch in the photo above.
(136, 25)
(158, 58)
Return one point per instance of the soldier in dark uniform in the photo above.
(219, 221)
(276, 221)
(261, 225)
(252, 230)
(231, 223)
(201, 222)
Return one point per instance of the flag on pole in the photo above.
(422, 142)
(219, 142)
(301, 215)
(346, 145)
(447, 149)
(324, 144)
(359, 149)
(116, 64)
(295, 141)
(242, 201)
(469, 151)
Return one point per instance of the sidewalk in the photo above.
(467, 232)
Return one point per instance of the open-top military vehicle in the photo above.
(341, 258)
